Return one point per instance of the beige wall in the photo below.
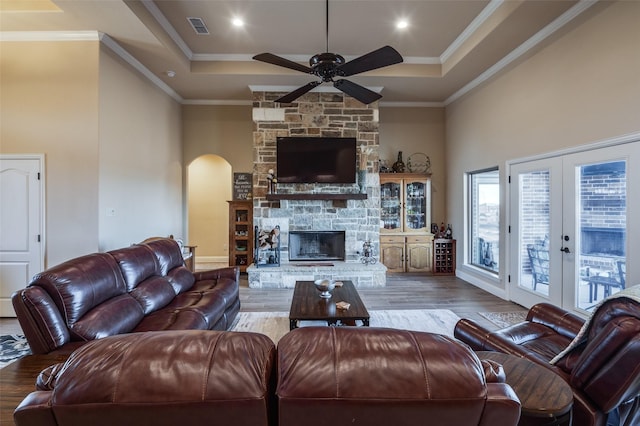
(583, 88)
(413, 130)
(49, 104)
(226, 131)
(140, 165)
(110, 140)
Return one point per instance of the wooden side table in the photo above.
(545, 397)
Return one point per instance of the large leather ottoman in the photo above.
(190, 377)
(373, 376)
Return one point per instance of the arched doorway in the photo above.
(209, 186)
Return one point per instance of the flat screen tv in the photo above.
(316, 160)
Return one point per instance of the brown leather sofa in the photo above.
(602, 365)
(324, 376)
(144, 287)
(191, 377)
(374, 376)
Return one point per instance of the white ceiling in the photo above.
(449, 47)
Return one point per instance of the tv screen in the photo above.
(316, 160)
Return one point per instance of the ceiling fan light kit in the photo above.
(327, 66)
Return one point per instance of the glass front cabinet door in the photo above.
(415, 205)
(391, 206)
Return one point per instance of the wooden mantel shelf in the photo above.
(277, 197)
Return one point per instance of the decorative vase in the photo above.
(362, 181)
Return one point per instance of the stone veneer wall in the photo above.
(316, 114)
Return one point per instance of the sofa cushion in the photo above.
(137, 263)
(79, 285)
(168, 253)
(172, 319)
(114, 316)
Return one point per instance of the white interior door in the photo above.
(21, 246)
(571, 218)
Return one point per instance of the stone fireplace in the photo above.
(299, 209)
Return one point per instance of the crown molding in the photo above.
(216, 102)
(31, 36)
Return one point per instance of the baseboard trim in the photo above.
(482, 284)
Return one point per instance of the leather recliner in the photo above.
(602, 364)
(186, 377)
(377, 376)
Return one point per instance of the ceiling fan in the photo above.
(327, 66)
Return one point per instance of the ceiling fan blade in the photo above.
(290, 97)
(362, 94)
(380, 58)
(270, 58)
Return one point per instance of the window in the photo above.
(484, 219)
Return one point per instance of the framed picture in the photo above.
(242, 186)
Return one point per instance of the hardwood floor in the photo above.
(403, 291)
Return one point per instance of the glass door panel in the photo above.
(534, 227)
(416, 206)
(602, 234)
(391, 208)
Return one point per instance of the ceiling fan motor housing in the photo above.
(325, 65)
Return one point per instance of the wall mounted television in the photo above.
(303, 159)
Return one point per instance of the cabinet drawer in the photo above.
(391, 239)
(418, 239)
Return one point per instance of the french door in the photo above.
(571, 221)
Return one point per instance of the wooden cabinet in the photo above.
(444, 256)
(405, 207)
(240, 234)
(406, 253)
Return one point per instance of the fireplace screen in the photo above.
(316, 245)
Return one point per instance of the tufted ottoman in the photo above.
(193, 377)
(374, 376)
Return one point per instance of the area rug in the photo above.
(12, 347)
(504, 319)
(276, 324)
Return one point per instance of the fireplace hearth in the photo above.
(316, 245)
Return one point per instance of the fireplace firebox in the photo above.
(316, 245)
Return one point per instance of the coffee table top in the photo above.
(307, 304)
(542, 393)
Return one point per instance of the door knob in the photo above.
(565, 249)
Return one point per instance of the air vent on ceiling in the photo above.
(198, 26)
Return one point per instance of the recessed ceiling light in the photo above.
(402, 24)
(170, 73)
(237, 22)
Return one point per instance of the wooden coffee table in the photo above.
(307, 305)
(546, 399)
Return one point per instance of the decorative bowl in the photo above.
(325, 287)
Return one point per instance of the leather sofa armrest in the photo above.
(558, 319)
(483, 339)
(231, 272)
(35, 410)
(503, 406)
(40, 320)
